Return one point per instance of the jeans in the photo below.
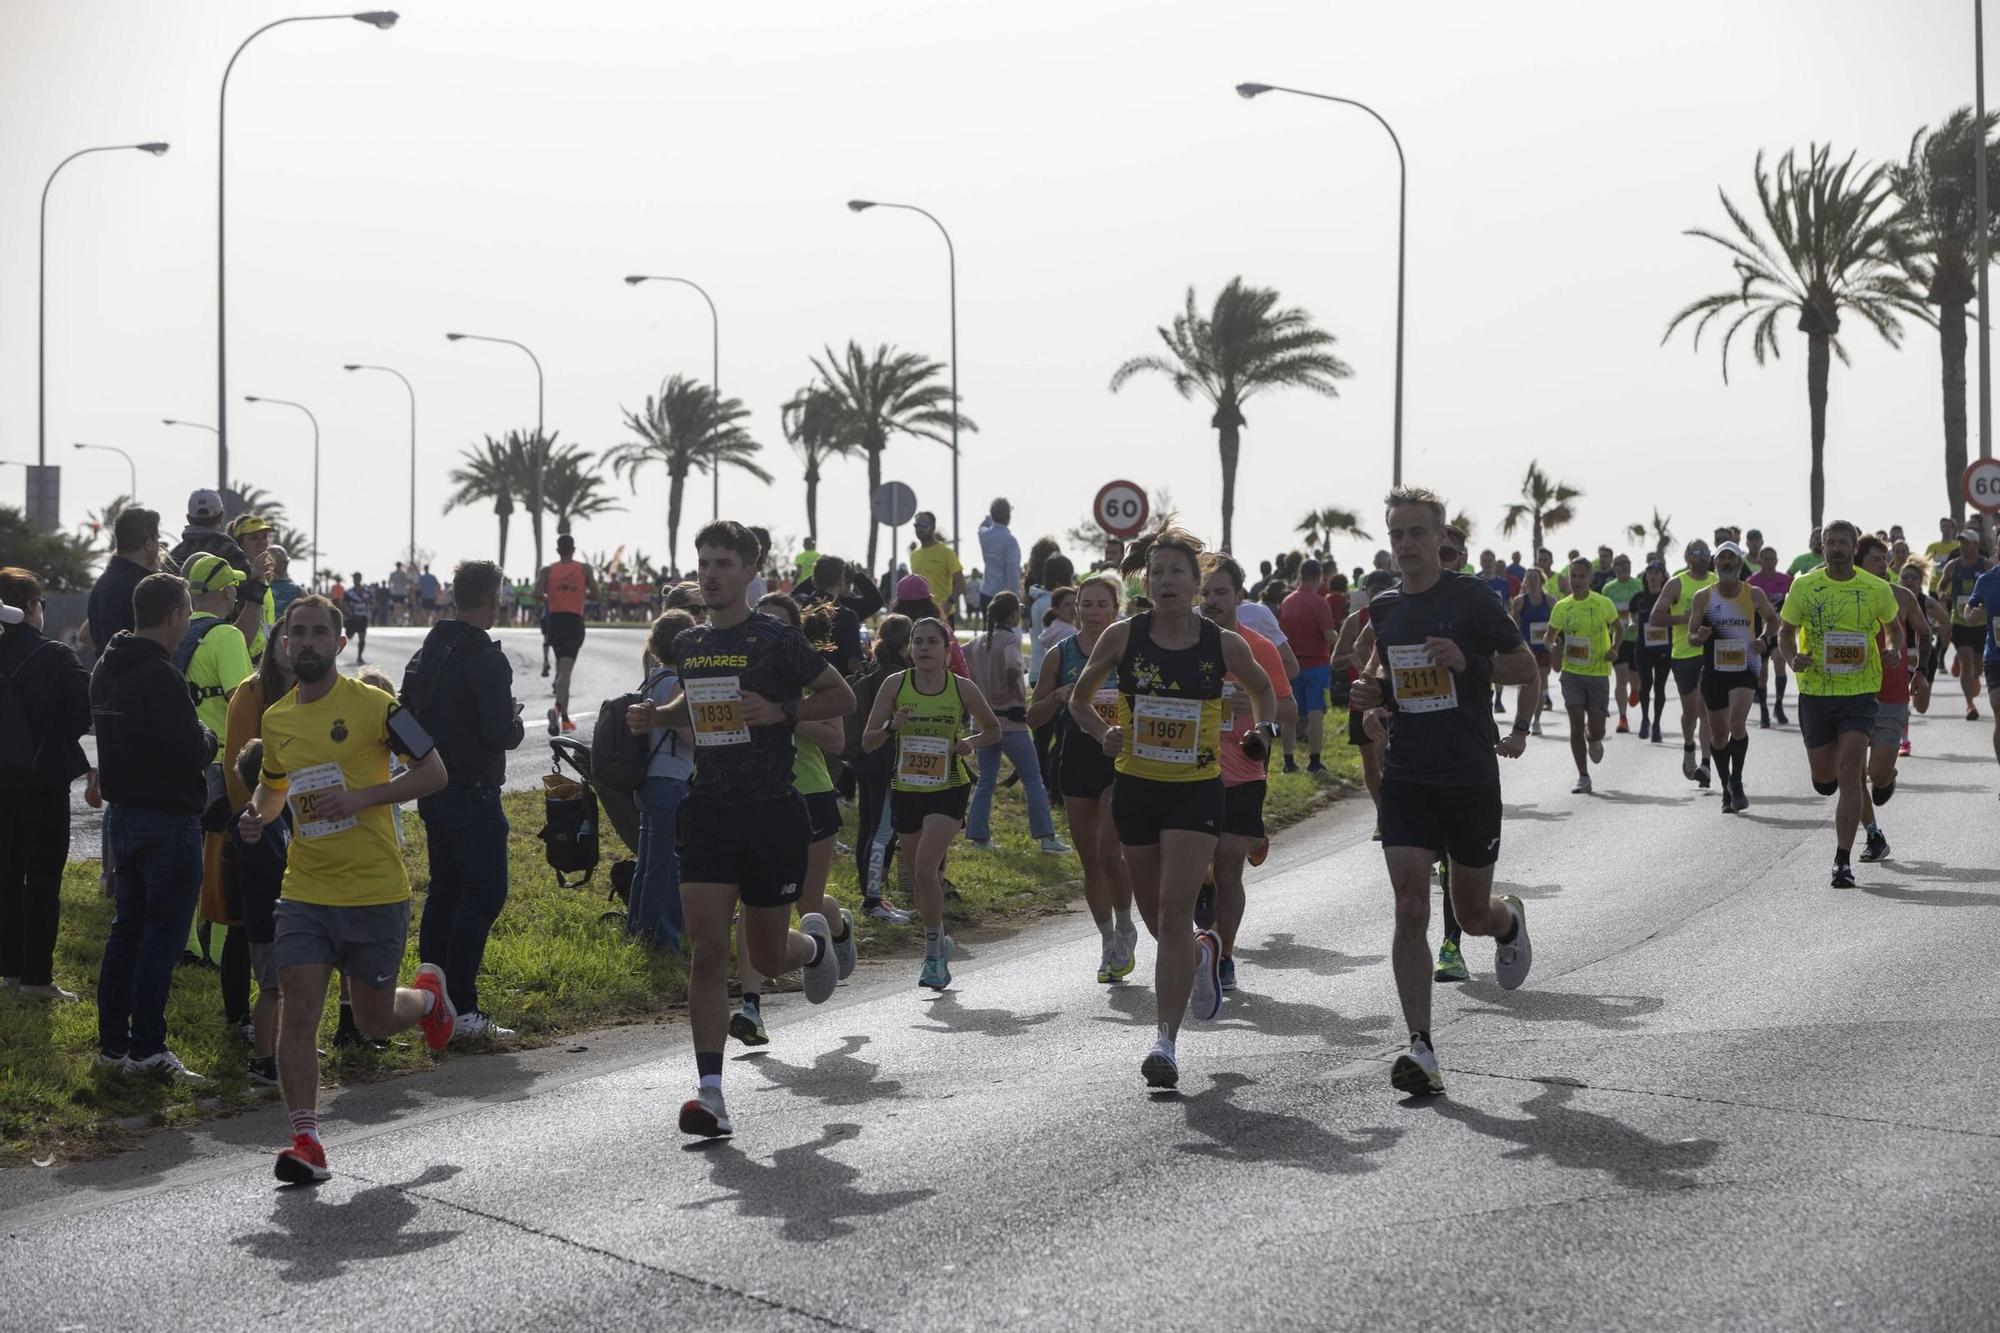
(1019, 747)
(467, 836)
(154, 890)
(34, 844)
(654, 913)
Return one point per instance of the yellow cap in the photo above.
(211, 573)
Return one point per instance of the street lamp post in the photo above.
(1979, 206)
(540, 395)
(390, 370)
(42, 294)
(169, 421)
(1250, 90)
(132, 492)
(286, 402)
(382, 19)
(714, 382)
(951, 258)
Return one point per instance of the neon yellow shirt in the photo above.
(1836, 619)
(1689, 586)
(1589, 628)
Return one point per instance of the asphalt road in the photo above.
(1728, 1097)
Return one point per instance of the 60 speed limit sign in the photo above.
(1982, 485)
(1121, 508)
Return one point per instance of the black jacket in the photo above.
(461, 687)
(54, 690)
(197, 540)
(111, 599)
(152, 752)
(859, 602)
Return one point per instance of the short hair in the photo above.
(829, 569)
(1377, 580)
(943, 630)
(667, 627)
(1415, 495)
(921, 515)
(784, 604)
(1583, 560)
(565, 544)
(1107, 581)
(476, 582)
(313, 599)
(1167, 537)
(156, 599)
(136, 526)
(763, 536)
(1868, 545)
(1308, 569)
(250, 762)
(730, 536)
(1220, 562)
(1841, 524)
(19, 588)
(682, 596)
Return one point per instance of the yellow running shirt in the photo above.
(1836, 619)
(1170, 705)
(1589, 628)
(1689, 586)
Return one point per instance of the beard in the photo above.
(310, 667)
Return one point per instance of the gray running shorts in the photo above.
(1890, 719)
(365, 943)
(1589, 694)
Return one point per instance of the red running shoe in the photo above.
(568, 725)
(438, 1023)
(1623, 728)
(1904, 748)
(304, 1163)
(1259, 852)
(1631, 696)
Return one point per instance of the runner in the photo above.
(1956, 582)
(1619, 590)
(1084, 773)
(1774, 585)
(1442, 643)
(1809, 559)
(1532, 609)
(1671, 610)
(399, 596)
(563, 587)
(346, 897)
(1654, 655)
(1985, 597)
(1350, 653)
(1310, 628)
(1580, 633)
(1915, 578)
(744, 830)
(1167, 798)
(1891, 735)
(354, 616)
(1723, 622)
(1840, 672)
(923, 709)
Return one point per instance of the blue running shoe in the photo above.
(937, 971)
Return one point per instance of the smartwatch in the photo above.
(1520, 727)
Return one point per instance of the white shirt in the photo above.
(1261, 618)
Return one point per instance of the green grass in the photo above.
(553, 967)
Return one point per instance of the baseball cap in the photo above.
(913, 588)
(210, 573)
(1730, 548)
(205, 504)
(1969, 535)
(244, 524)
(11, 615)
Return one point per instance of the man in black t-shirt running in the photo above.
(1442, 642)
(744, 830)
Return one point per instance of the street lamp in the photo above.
(1250, 90)
(132, 492)
(951, 256)
(286, 402)
(390, 370)
(381, 19)
(169, 421)
(540, 394)
(1980, 214)
(715, 381)
(42, 293)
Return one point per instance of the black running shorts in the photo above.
(1144, 808)
(564, 631)
(823, 813)
(1687, 676)
(909, 809)
(1716, 685)
(1083, 770)
(1461, 822)
(759, 846)
(1243, 810)
(1823, 717)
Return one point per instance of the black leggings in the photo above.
(871, 798)
(236, 975)
(1654, 673)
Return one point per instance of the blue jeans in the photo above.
(1019, 747)
(655, 909)
(154, 885)
(467, 837)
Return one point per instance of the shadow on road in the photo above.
(1585, 1140)
(1283, 952)
(1246, 1010)
(811, 1193)
(315, 1240)
(1609, 1013)
(1937, 872)
(1526, 890)
(1236, 1133)
(835, 1078)
(947, 1014)
(1771, 821)
(1637, 798)
(1534, 814)
(1933, 897)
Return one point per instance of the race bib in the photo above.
(715, 705)
(1732, 655)
(1658, 636)
(1105, 701)
(304, 792)
(1165, 730)
(1420, 685)
(1843, 652)
(1576, 650)
(1228, 708)
(923, 761)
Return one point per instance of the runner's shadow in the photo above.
(813, 1194)
(1530, 891)
(1534, 815)
(1761, 799)
(1246, 1010)
(1283, 952)
(1771, 821)
(1931, 897)
(835, 1078)
(1929, 786)
(1235, 1133)
(1133, 1003)
(1580, 1140)
(947, 1014)
(316, 1240)
(1610, 1013)
(1639, 798)
(1949, 759)
(1936, 872)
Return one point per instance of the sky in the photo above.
(497, 166)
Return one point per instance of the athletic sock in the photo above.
(1873, 828)
(1423, 1037)
(819, 951)
(1741, 746)
(708, 1064)
(1107, 928)
(306, 1122)
(933, 942)
(1513, 929)
(753, 999)
(1123, 917)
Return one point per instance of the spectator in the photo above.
(758, 584)
(1310, 629)
(135, 553)
(1001, 552)
(255, 536)
(460, 687)
(654, 910)
(427, 595)
(828, 584)
(256, 872)
(283, 589)
(204, 533)
(152, 753)
(997, 670)
(807, 561)
(1057, 571)
(1337, 599)
(937, 564)
(215, 661)
(45, 709)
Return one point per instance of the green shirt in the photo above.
(1689, 586)
(1801, 563)
(219, 665)
(806, 562)
(1620, 592)
(1587, 628)
(1836, 620)
(927, 757)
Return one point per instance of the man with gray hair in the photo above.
(1001, 552)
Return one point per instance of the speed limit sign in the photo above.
(1981, 485)
(1121, 508)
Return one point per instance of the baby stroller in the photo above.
(571, 809)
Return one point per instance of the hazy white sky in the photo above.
(497, 165)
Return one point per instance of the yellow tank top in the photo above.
(1170, 706)
(1689, 586)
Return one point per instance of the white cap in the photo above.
(1731, 548)
(11, 615)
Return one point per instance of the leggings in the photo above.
(871, 846)
(236, 975)
(1654, 673)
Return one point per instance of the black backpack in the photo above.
(18, 750)
(569, 833)
(618, 758)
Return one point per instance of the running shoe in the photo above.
(1128, 951)
(1054, 846)
(1226, 975)
(1728, 800)
(474, 1026)
(167, 1067)
(823, 976)
(568, 726)
(1535, 727)
(304, 1163)
(879, 909)
(1416, 1072)
(1631, 696)
(1263, 849)
(1876, 848)
(1582, 787)
(747, 1025)
(1291, 766)
(1499, 707)
(117, 1064)
(1205, 1001)
(1645, 729)
(1315, 765)
(1656, 737)
(1742, 801)
(439, 1022)
(1160, 1068)
(263, 1072)
(555, 723)
(1597, 750)
(844, 949)
(705, 1115)
(1904, 748)
(1107, 960)
(937, 971)
(1204, 907)
(1451, 963)
(1702, 777)
(1843, 875)
(1512, 960)
(1972, 712)
(1624, 728)
(1778, 714)
(1376, 836)
(1690, 763)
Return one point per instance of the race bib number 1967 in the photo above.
(1166, 730)
(1421, 686)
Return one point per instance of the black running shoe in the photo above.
(1876, 848)
(1843, 875)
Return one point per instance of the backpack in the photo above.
(618, 758)
(190, 644)
(17, 752)
(569, 830)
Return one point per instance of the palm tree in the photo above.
(1828, 252)
(1660, 528)
(1935, 243)
(817, 429)
(570, 488)
(1243, 345)
(258, 501)
(487, 474)
(1322, 525)
(887, 394)
(674, 430)
(1544, 505)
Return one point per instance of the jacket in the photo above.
(110, 608)
(152, 752)
(460, 686)
(54, 690)
(196, 540)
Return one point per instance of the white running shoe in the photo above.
(705, 1115)
(49, 992)
(1416, 1071)
(1205, 1001)
(1160, 1068)
(823, 976)
(1128, 945)
(1582, 787)
(1596, 751)
(168, 1067)
(1512, 960)
(475, 1026)
(845, 949)
(1534, 728)
(1055, 846)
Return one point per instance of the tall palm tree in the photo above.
(889, 393)
(1936, 243)
(817, 429)
(258, 501)
(1660, 530)
(1828, 251)
(1322, 525)
(570, 488)
(674, 430)
(1245, 344)
(487, 473)
(1544, 505)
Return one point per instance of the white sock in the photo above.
(430, 1001)
(1123, 917)
(712, 1081)
(1107, 929)
(933, 941)
(1163, 1042)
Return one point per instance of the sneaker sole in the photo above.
(821, 980)
(430, 1022)
(746, 1032)
(1160, 1072)
(1522, 941)
(701, 1122)
(1209, 978)
(295, 1171)
(1412, 1079)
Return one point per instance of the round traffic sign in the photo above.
(1981, 485)
(1121, 508)
(893, 504)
